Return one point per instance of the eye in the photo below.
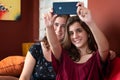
(63, 25)
(56, 24)
(79, 30)
(70, 33)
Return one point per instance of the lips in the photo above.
(77, 41)
(59, 34)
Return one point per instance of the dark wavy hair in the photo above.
(67, 44)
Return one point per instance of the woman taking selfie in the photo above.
(85, 48)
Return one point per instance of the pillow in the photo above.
(11, 66)
(115, 70)
(8, 78)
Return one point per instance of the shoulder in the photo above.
(35, 46)
(36, 50)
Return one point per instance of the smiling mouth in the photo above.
(77, 41)
(59, 34)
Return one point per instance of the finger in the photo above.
(79, 10)
(50, 15)
(45, 17)
(80, 4)
(85, 11)
(54, 17)
(51, 10)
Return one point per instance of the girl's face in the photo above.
(59, 26)
(78, 35)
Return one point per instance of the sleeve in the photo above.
(55, 63)
(65, 59)
(36, 51)
(114, 70)
(104, 66)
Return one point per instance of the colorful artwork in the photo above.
(10, 9)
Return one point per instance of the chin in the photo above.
(78, 46)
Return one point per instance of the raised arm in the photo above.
(102, 42)
(55, 45)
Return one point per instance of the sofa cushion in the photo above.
(114, 70)
(11, 65)
(8, 78)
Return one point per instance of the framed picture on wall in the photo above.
(10, 9)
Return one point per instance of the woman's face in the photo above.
(78, 35)
(59, 26)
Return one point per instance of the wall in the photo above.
(106, 13)
(14, 33)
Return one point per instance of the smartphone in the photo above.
(64, 8)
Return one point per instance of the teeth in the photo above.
(77, 41)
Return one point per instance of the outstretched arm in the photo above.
(102, 43)
(51, 36)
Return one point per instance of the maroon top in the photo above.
(66, 69)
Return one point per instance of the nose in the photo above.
(75, 35)
(59, 28)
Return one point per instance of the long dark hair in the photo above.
(73, 52)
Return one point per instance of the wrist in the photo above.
(90, 23)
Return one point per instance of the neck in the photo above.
(84, 51)
(46, 52)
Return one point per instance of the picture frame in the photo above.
(10, 10)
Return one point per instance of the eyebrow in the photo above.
(59, 23)
(78, 28)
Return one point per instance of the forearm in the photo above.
(101, 40)
(23, 78)
(53, 42)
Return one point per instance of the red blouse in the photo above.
(66, 69)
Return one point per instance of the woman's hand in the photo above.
(83, 13)
(49, 19)
(112, 54)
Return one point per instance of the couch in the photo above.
(11, 68)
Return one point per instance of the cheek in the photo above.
(85, 34)
(63, 30)
(71, 38)
(86, 37)
(55, 28)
